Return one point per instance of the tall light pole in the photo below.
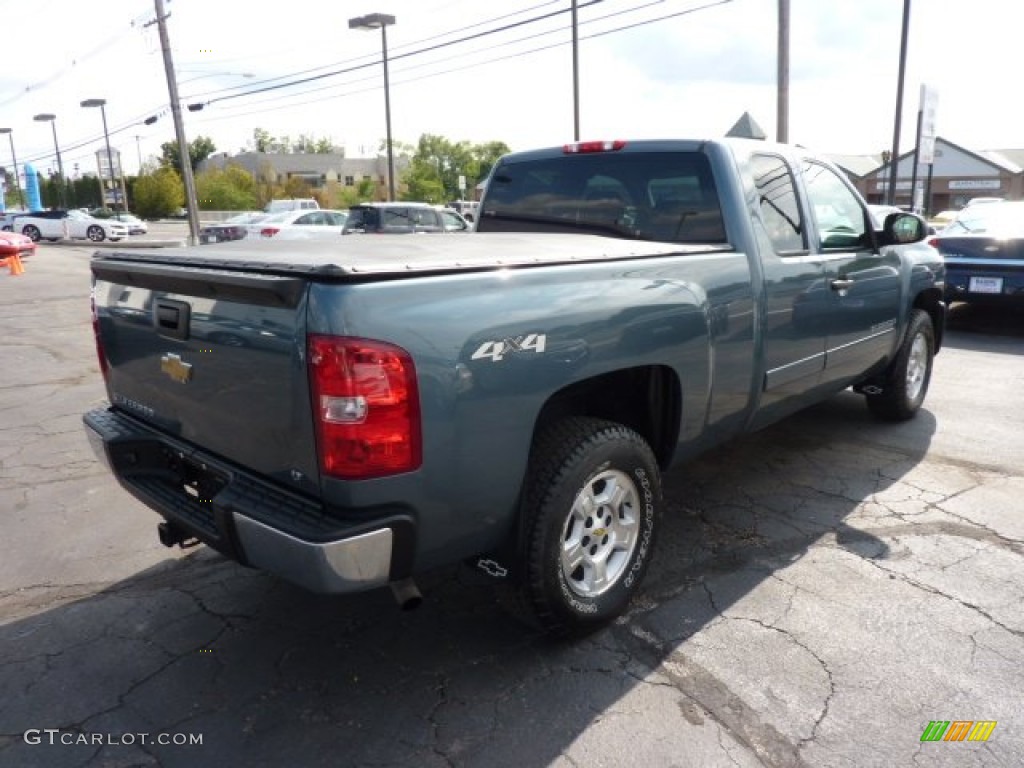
(380, 21)
(179, 126)
(102, 104)
(14, 159)
(52, 120)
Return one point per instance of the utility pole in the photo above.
(575, 76)
(890, 192)
(782, 81)
(179, 127)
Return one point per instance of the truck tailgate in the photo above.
(213, 357)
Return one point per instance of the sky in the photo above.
(647, 69)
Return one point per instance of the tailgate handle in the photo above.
(171, 318)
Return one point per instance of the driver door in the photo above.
(862, 284)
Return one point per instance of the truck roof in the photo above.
(360, 257)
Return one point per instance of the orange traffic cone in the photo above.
(13, 263)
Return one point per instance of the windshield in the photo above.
(665, 196)
(998, 219)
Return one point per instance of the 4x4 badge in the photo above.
(176, 368)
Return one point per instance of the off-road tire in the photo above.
(591, 505)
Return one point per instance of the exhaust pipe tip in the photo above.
(407, 594)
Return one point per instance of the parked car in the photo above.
(942, 219)
(984, 249)
(294, 204)
(465, 208)
(454, 222)
(233, 228)
(399, 218)
(7, 220)
(136, 226)
(11, 244)
(276, 223)
(59, 224)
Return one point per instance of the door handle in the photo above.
(841, 284)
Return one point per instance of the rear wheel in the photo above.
(95, 233)
(592, 505)
(907, 379)
(32, 232)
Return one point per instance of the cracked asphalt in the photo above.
(822, 590)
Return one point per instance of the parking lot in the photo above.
(822, 591)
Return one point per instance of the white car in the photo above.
(59, 224)
(136, 226)
(299, 224)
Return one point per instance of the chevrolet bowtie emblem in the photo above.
(176, 368)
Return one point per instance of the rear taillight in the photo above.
(367, 407)
(933, 242)
(100, 352)
(269, 231)
(585, 147)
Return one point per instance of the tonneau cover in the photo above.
(355, 257)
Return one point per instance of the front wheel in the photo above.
(592, 505)
(32, 233)
(95, 233)
(907, 379)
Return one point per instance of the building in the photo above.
(325, 173)
(957, 175)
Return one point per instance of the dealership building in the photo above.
(957, 176)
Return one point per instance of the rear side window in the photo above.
(780, 213)
(664, 196)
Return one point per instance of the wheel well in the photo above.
(931, 302)
(648, 400)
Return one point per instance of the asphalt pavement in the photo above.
(822, 592)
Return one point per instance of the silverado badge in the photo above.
(176, 368)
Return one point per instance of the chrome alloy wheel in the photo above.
(600, 533)
(917, 367)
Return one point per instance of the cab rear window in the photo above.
(663, 196)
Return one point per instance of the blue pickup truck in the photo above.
(349, 414)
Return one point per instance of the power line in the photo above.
(139, 120)
(289, 104)
(438, 46)
(493, 60)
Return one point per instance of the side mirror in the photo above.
(903, 229)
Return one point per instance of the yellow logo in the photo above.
(176, 368)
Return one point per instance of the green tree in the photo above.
(438, 163)
(226, 189)
(326, 147)
(362, 192)
(261, 140)
(199, 149)
(159, 194)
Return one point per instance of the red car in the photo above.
(12, 243)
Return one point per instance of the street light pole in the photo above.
(102, 104)
(52, 120)
(381, 21)
(14, 159)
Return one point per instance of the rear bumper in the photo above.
(982, 283)
(255, 522)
